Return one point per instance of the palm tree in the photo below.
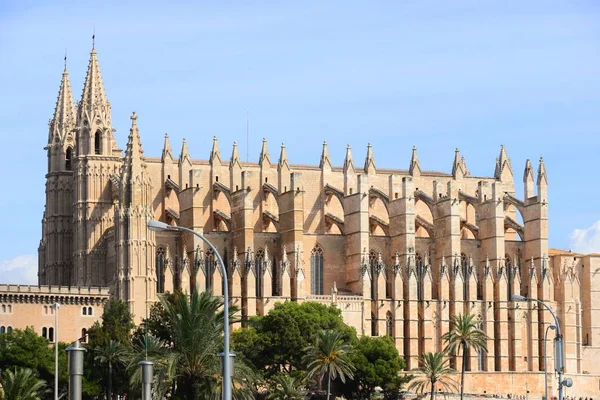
(112, 353)
(435, 371)
(329, 356)
(287, 387)
(196, 336)
(152, 348)
(22, 384)
(464, 334)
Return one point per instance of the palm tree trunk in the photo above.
(328, 383)
(109, 380)
(462, 373)
(432, 390)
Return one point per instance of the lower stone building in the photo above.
(399, 251)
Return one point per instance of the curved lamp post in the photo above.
(553, 327)
(558, 345)
(158, 226)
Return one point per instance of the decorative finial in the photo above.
(94, 39)
(65, 60)
(133, 117)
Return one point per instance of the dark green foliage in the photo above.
(276, 342)
(377, 363)
(22, 384)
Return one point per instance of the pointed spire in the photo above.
(283, 160)
(415, 167)
(215, 154)
(325, 160)
(167, 153)
(541, 177)
(63, 120)
(185, 153)
(93, 98)
(348, 161)
(235, 157)
(369, 160)
(134, 155)
(503, 170)
(264, 153)
(528, 180)
(459, 169)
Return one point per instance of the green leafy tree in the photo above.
(22, 384)
(286, 387)
(26, 349)
(275, 342)
(151, 348)
(196, 336)
(117, 325)
(435, 371)
(377, 363)
(329, 357)
(464, 334)
(157, 322)
(111, 354)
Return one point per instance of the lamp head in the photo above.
(518, 297)
(553, 327)
(157, 226)
(567, 382)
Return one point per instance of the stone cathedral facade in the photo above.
(398, 251)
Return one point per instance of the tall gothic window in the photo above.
(69, 159)
(389, 324)
(259, 259)
(97, 143)
(209, 268)
(373, 269)
(316, 270)
(480, 353)
(509, 275)
(160, 269)
(374, 325)
(419, 267)
(275, 278)
(464, 265)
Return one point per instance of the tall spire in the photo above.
(325, 160)
(264, 153)
(167, 152)
(370, 160)
(235, 157)
(542, 179)
(134, 155)
(528, 180)
(63, 120)
(215, 154)
(415, 167)
(185, 153)
(459, 166)
(348, 160)
(283, 160)
(503, 170)
(93, 99)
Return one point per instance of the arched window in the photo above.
(84, 335)
(210, 264)
(51, 334)
(90, 311)
(9, 308)
(9, 329)
(419, 267)
(160, 269)
(275, 278)
(509, 275)
(374, 325)
(45, 333)
(389, 324)
(316, 270)
(3, 308)
(464, 265)
(373, 269)
(84, 310)
(69, 159)
(2, 329)
(259, 259)
(97, 143)
(45, 309)
(480, 353)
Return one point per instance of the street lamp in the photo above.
(55, 307)
(558, 345)
(158, 226)
(553, 327)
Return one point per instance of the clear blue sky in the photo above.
(435, 74)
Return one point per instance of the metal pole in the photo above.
(147, 373)
(56, 306)
(75, 370)
(227, 372)
(546, 361)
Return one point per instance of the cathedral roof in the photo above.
(94, 95)
(64, 113)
